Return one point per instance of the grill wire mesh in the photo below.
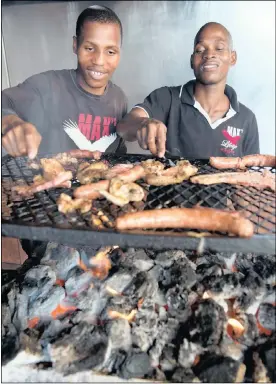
(41, 209)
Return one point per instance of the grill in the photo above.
(38, 218)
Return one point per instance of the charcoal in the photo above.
(136, 365)
(44, 305)
(91, 301)
(9, 343)
(218, 369)
(20, 318)
(120, 281)
(184, 376)
(155, 272)
(177, 301)
(78, 283)
(226, 286)
(167, 360)
(180, 272)
(61, 258)
(145, 328)
(5, 314)
(187, 353)
(119, 343)
(260, 372)
(141, 261)
(54, 329)
(265, 267)
(39, 281)
(267, 316)
(205, 269)
(166, 333)
(206, 323)
(164, 259)
(84, 348)
(268, 355)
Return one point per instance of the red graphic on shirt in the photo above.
(233, 140)
(232, 136)
(93, 128)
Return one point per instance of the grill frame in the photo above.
(84, 235)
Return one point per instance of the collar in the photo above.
(186, 95)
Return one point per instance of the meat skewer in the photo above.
(243, 162)
(198, 218)
(249, 179)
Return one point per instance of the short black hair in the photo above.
(100, 14)
(219, 25)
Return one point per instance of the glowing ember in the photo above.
(234, 328)
(117, 315)
(61, 310)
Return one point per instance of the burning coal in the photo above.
(166, 316)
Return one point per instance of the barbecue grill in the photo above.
(38, 218)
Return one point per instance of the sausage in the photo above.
(191, 218)
(242, 163)
(133, 174)
(117, 169)
(259, 161)
(225, 162)
(83, 153)
(249, 179)
(91, 191)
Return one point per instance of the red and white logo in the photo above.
(232, 137)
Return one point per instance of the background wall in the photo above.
(158, 39)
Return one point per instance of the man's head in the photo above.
(213, 54)
(97, 44)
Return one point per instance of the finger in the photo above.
(20, 140)
(151, 139)
(12, 143)
(33, 140)
(6, 144)
(161, 141)
(141, 137)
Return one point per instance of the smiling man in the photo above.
(36, 113)
(202, 118)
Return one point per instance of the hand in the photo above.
(152, 135)
(19, 138)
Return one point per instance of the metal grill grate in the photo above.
(40, 212)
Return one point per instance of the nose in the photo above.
(209, 53)
(98, 58)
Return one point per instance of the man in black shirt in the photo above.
(202, 118)
(41, 111)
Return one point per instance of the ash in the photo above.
(140, 314)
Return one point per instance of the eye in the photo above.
(89, 49)
(111, 52)
(199, 50)
(220, 48)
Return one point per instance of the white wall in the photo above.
(158, 41)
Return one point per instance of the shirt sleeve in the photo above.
(27, 99)
(157, 104)
(251, 142)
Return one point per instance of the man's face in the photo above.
(212, 56)
(98, 51)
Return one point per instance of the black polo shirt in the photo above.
(191, 134)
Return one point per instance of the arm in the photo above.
(22, 108)
(251, 145)
(146, 122)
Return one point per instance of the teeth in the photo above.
(210, 66)
(97, 73)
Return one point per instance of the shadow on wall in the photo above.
(158, 42)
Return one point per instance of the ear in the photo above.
(233, 59)
(75, 45)
(191, 61)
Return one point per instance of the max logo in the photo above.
(232, 134)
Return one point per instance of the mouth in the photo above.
(97, 75)
(209, 67)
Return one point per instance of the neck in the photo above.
(210, 97)
(87, 88)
